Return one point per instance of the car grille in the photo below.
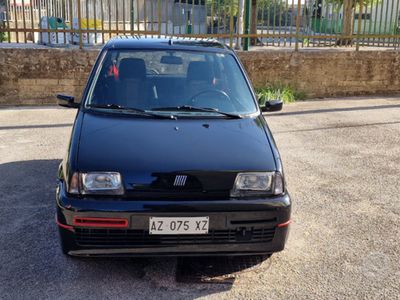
(132, 238)
(174, 195)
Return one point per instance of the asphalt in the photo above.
(342, 162)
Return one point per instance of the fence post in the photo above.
(296, 47)
(79, 24)
(247, 12)
(231, 24)
(359, 26)
(132, 15)
(239, 25)
(159, 17)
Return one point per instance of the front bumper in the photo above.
(237, 227)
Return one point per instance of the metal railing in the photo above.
(238, 23)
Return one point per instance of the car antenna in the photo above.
(170, 42)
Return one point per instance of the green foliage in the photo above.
(224, 7)
(285, 93)
(306, 42)
(356, 3)
(272, 9)
(273, 12)
(3, 35)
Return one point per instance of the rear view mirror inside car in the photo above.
(171, 60)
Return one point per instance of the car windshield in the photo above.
(186, 82)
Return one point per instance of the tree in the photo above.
(223, 7)
(253, 23)
(223, 10)
(349, 6)
(272, 12)
(273, 8)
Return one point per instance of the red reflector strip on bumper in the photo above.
(284, 224)
(68, 227)
(100, 222)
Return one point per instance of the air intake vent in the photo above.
(132, 238)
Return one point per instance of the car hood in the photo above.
(150, 153)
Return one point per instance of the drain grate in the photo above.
(215, 269)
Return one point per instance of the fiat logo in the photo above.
(180, 180)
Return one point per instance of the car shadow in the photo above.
(32, 264)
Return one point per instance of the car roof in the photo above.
(164, 42)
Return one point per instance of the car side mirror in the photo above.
(273, 105)
(67, 101)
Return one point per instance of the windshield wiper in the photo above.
(200, 109)
(131, 109)
(108, 106)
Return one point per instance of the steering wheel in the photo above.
(215, 91)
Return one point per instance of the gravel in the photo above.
(342, 162)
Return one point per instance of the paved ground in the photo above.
(342, 160)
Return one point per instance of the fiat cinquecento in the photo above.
(170, 155)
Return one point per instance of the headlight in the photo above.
(257, 184)
(105, 183)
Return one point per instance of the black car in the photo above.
(170, 155)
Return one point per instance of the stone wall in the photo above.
(34, 75)
(327, 73)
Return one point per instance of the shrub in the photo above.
(285, 93)
(3, 35)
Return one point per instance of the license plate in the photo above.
(178, 225)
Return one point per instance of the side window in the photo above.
(236, 86)
(105, 84)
